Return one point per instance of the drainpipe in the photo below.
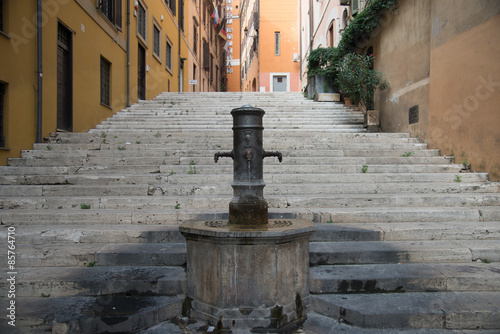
(39, 72)
(128, 53)
(180, 58)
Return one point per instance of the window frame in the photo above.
(112, 11)
(277, 43)
(171, 4)
(3, 90)
(157, 26)
(105, 82)
(168, 54)
(144, 38)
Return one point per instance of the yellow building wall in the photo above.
(93, 36)
(18, 72)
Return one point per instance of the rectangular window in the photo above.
(229, 29)
(156, 41)
(195, 38)
(112, 9)
(168, 55)
(277, 43)
(105, 82)
(211, 68)
(181, 14)
(171, 5)
(1, 15)
(141, 21)
(2, 94)
(206, 55)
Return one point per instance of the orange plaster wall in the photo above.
(465, 95)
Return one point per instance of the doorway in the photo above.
(141, 73)
(279, 83)
(64, 79)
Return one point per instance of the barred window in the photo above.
(156, 40)
(277, 43)
(112, 9)
(171, 5)
(141, 21)
(105, 81)
(2, 94)
(1, 15)
(168, 55)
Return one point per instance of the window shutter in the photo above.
(354, 7)
(206, 56)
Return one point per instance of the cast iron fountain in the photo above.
(249, 272)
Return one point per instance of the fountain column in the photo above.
(249, 272)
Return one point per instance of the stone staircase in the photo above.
(406, 241)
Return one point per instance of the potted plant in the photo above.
(358, 81)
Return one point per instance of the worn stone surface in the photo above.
(248, 277)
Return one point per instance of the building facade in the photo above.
(233, 45)
(441, 59)
(321, 25)
(67, 65)
(269, 46)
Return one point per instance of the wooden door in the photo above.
(141, 73)
(64, 79)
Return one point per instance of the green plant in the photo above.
(177, 206)
(324, 61)
(172, 172)
(408, 154)
(137, 142)
(43, 295)
(166, 154)
(103, 135)
(91, 264)
(364, 169)
(121, 148)
(357, 79)
(85, 206)
(458, 178)
(158, 135)
(192, 168)
(49, 147)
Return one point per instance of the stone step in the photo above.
(321, 253)
(450, 310)
(105, 314)
(279, 189)
(99, 254)
(214, 145)
(325, 232)
(274, 201)
(318, 215)
(380, 252)
(405, 277)
(318, 324)
(223, 135)
(56, 282)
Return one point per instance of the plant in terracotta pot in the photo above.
(358, 80)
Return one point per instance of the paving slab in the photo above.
(450, 310)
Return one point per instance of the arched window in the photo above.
(330, 36)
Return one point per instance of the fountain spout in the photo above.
(274, 154)
(222, 154)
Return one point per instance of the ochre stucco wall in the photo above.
(402, 53)
(92, 37)
(443, 56)
(465, 97)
